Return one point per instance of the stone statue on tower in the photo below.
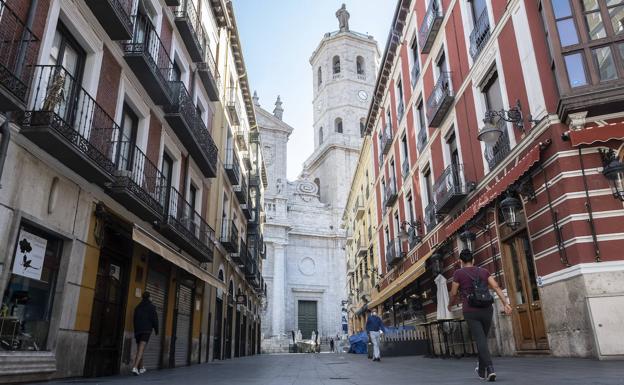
(343, 18)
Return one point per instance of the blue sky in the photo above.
(278, 38)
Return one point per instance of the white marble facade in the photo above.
(305, 244)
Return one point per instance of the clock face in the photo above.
(362, 95)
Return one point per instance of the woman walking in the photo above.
(473, 283)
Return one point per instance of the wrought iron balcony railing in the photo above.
(242, 256)
(241, 191)
(148, 58)
(386, 138)
(232, 166)
(390, 193)
(431, 219)
(229, 235)
(450, 188)
(501, 149)
(114, 16)
(208, 148)
(362, 248)
(191, 29)
(394, 252)
(405, 168)
(412, 239)
(241, 137)
(233, 106)
(69, 124)
(430, 26)
(480, 34)
(18, 52)
(358, 209)
(187, 228)
(440, 100)
(209, 75)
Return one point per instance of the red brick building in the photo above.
(492, 125)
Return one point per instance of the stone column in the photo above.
(278, 317)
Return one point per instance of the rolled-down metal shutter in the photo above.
(183, 326)
(157, 287)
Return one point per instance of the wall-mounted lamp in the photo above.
(614, 172)
(467, 237)
(509, 208)
(410, 231)
(491, 132)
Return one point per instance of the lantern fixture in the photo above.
(614, 172)
(491, 132)
(510, 207)
(467, 237)
(410, 232)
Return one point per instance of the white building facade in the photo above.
(305, 268)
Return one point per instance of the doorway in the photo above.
(216, 354)
(307, 318)
(183, 325)
(524, 295)
(109, 302)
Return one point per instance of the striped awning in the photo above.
(597, 134)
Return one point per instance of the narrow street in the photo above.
(342, 369)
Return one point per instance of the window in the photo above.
(362, 127)
(127, 138)
(565, 23)
(359, 64)
(603, 58)
(451, 142)
(317, 182)
(176, 73)
(400, 104)
(575, 65)
(338, 125)
(193, 198)
(397, 225)
(319, 77)
(421, 126)
(29, 296)
(320, 136)
(404, 157)
(409, 208)
(336, 64)
(440, 67)
(388, 120)
(415, 71)
(167, 169)
(477, 7)
(593, 20)
(428, 186)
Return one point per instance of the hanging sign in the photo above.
(29, 255)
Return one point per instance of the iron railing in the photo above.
(182, 104)
(394, 252)
(61, 103)
(430, 26)
(181, 215)
(440, 99)
(233, 105)
(386, 138)
(204, 138)
(186, 11)
(232, 165)
(480, 34)
(146, 42)
(449, 186)
(229, 235)
(18, 53)
(501, 148)
(390, 193)
(431, 220)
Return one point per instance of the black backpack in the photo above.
(480, 295)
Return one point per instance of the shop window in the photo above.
(28, 298)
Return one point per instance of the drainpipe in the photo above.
(5, 130)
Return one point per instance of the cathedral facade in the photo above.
(305, 268)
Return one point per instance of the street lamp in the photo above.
(614, 172)
(509, 207)
(491, 132)
(467, 237)
(404, 234)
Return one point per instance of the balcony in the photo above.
(362, 248)
(148, 58)
(450, 188)
(191, 30)
(501, 149)
(114, 16)
(67, 122)
(229, 236)
(233, 106)
(430, 26)
(209, 75)
(241, 138)
(242, 256)
(394, 252)
(247, 160)
(412, 237)
(188, 126)
(186, 227)
(421, 141)
(390, 194)
(358, 209)
(440, 100)
(139, 185)
(480, 34)
(232, 166)
(386, 138)
(252, 274)
(254, 179)
(246, 209)
(18, 52)
(431, 220)
(241, 191)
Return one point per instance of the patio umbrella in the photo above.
(443, 298)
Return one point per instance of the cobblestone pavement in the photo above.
(342, 369)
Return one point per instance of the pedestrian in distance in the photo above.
(473, 283)
(145, 320)
(375, 329)
(331, 345)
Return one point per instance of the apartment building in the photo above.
(130, 162)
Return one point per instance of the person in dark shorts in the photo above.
(145, 320)
(479, 319)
